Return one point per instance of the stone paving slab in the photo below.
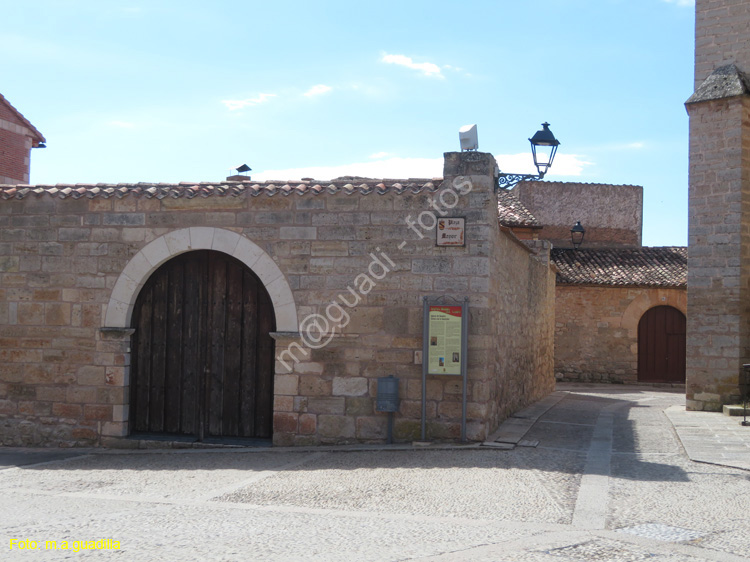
(513, 430)
(18, 456)
(711, 437)
(607, 481)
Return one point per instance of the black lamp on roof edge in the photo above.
(542, 138)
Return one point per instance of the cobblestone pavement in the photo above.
(608, 480)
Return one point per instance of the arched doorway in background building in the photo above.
(202, 360)
(661, 345)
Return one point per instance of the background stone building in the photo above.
(127, 309)
(619, 307)
(611, 214)
(17, 137)
(718, 328)
(620, 314)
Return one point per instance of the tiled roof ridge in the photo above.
(512, 213)
(650, 266)
(582, 183)
(34, 130)
(189, 190)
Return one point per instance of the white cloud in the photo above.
(682, 2)
(456, 69)
(122, 124)
(317, 90)
(426, 68)
(522, 163)
(635, 145)
(379, 155)
(389, 168)
(404, 168)
(233, 105)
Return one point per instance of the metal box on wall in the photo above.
(387, 399)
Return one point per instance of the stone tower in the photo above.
(718, 327)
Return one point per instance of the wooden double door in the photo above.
(661, 345)
(202, 357)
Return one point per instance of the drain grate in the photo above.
(660, 532)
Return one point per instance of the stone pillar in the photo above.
(287, 404)
(113, 354)
(718, 319)
(474, 176)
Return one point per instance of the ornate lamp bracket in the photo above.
(508, 181)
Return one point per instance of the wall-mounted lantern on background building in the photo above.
(576, 234)
(542, 159)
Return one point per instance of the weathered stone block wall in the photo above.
(718, 342)
(329, 398)
(524, 285)
(611, 214)
(722, 36)
(71, 268)
(596, 330)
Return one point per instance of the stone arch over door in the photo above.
(137, 271)
(661, 345)
(650, 298)
(155, 253)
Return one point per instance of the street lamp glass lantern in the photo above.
(547, 143)
(576, 234)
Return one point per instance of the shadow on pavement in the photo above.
(564, 433)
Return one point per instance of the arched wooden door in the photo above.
(202, 356)
(661, 345)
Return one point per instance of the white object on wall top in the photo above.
(468, 137)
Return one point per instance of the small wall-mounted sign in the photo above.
(450, 231)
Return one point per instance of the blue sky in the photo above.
(128, 91)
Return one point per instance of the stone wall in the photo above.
(718, 342)
(722, 36)
(74, 260)
(611, 214)
(596, 330)
(524, 285)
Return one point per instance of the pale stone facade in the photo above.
(75, 258)
(605, 288)
(611, 214)
(596, 329)
(718, 331)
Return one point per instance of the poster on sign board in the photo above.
(444, 333)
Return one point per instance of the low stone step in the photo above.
(735, 410)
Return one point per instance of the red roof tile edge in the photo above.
(34, 130)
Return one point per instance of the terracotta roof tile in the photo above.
(511, 212)
(223, 188)
(643, 267)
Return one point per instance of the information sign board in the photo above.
(444, 336)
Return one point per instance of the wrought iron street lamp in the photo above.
(576, 235)
(543, 149)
